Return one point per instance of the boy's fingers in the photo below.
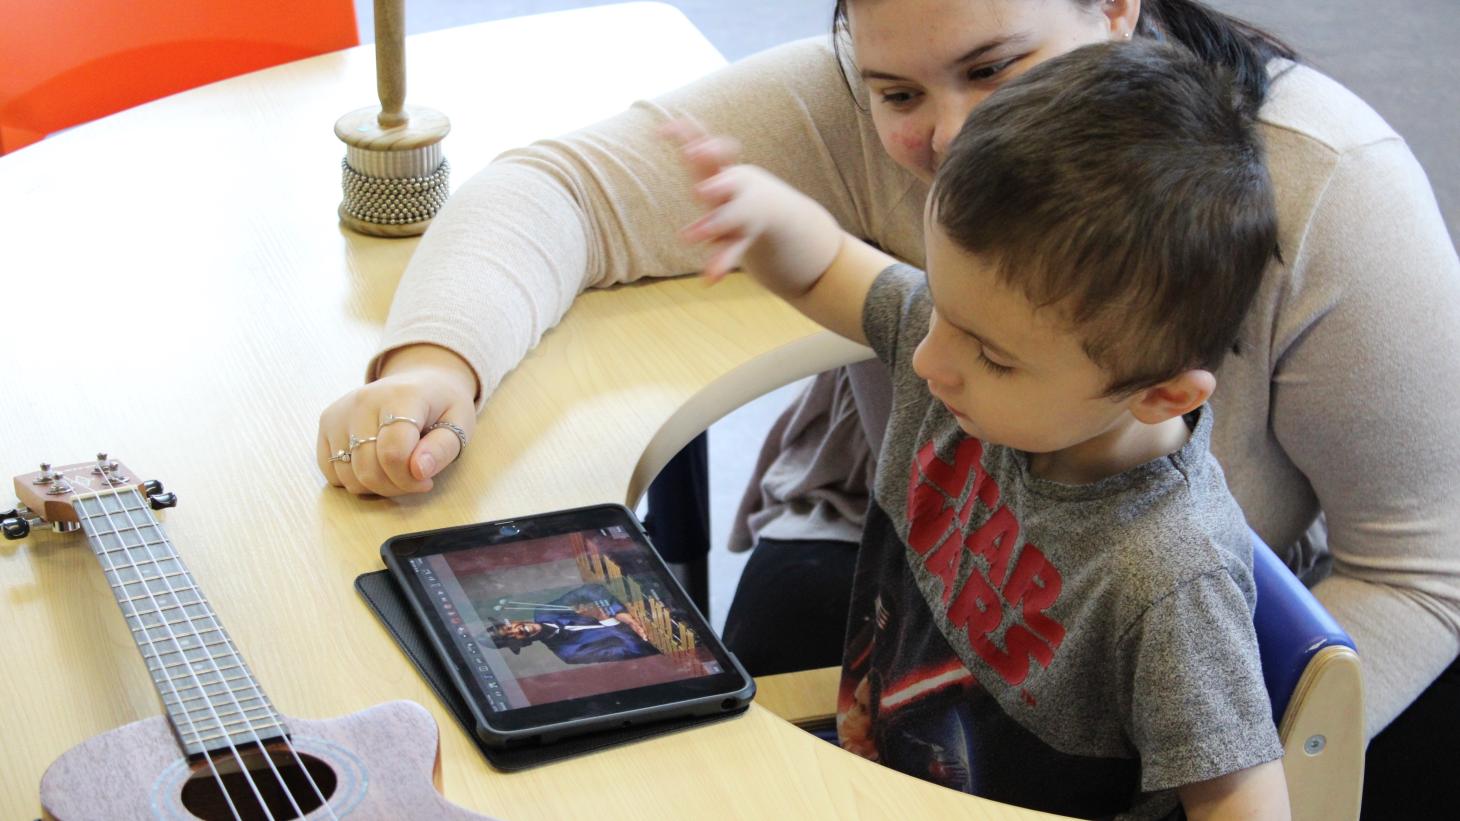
(682, 129)
(710, 227)
(711, 155)
(725, 259)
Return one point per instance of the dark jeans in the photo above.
(790, 612)
(1413, 768)
(790, 608)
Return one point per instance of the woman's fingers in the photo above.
(379, 461)
(384, 429)
(442, 445)
(322, 454)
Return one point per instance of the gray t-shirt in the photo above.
(1081, 649)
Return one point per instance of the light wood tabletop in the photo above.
(178, 293)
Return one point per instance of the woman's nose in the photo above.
(951, 117)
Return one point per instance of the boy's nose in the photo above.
(927, 364)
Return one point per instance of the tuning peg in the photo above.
(162, 500)
(14, 528)
(151, 487)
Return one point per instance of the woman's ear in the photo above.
(1122, 16)
(1181, 394)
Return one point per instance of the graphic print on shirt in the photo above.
(995, 590)
(907, 698)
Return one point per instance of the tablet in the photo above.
(563, 623)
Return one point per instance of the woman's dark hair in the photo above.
(1215, 38)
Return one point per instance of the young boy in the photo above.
(1053, 599)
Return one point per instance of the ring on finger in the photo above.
(456, 429)
(340, 456)
(391, 419)
(357, 441)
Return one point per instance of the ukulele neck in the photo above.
(211, 697)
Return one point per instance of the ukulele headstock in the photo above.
(48, 495)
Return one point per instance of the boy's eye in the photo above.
(990, 71)
(993, 367)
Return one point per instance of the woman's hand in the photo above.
(420, 386)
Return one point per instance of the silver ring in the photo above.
(391, 419)
(357, 441)
(456, 429)
(340, 456)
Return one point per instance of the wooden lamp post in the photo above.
(395, 176)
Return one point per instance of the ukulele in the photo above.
(222, 751)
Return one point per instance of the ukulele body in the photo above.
(383, 762)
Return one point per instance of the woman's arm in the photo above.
(515, 245)
(1366, 401)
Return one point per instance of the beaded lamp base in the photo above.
(394, 178)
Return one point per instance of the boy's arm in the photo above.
(786, 240)
(836, 299)
(1259, 792)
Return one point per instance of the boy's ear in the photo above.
(1181, 394)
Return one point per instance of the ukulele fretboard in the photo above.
(210, 695)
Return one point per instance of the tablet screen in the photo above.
(546, 610)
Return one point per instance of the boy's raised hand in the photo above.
(753, 219)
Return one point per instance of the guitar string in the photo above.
(211, 659)
(253, 682)
(151, 644)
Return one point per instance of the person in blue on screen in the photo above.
(587, 624)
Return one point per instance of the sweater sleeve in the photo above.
(516, 244)
(1365, 393)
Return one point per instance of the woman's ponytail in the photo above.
(1217, 39)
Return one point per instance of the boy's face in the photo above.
(1010, 374)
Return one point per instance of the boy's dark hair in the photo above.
(1122, 184)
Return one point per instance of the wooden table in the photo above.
(178, 293)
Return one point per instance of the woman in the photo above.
(1337, 401)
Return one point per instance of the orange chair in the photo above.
(66, 62)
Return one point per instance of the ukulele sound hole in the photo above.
(202, 796)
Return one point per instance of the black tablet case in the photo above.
(380, 592)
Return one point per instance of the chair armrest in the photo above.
(1323, 738)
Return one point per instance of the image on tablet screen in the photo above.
(562, 617)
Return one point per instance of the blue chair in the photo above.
(1317, 692)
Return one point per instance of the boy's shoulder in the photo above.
(1192, 532)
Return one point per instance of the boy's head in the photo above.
(1108, 208)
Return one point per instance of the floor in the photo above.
(1401, 59)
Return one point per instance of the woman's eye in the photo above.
(897, 99)
(990, 71)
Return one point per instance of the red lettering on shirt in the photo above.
(936, 521)
(1013, 664)
(995, 541)
(977, 608)
(1036, 584)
